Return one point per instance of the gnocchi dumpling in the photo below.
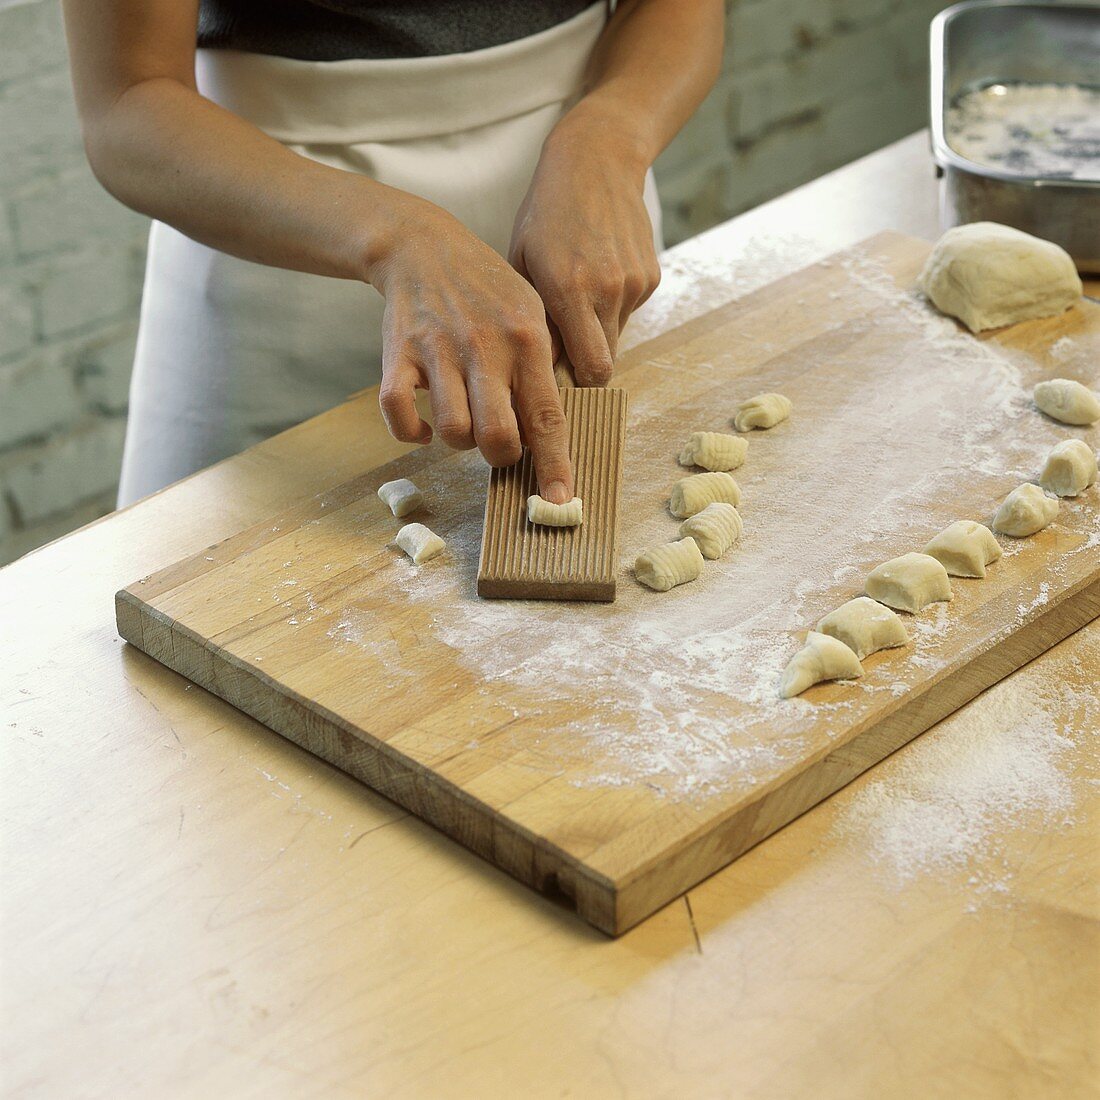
(964, 548)
(400, 496)
(821, 658)
(1070, 468)
(716, 528)
(765, 410)
(1025, 511)
(693, 494)
(864, 626)
(714, 451)
(1067, 401)
(672, 563)
(419, 542)
(549, 514)
(908, 583)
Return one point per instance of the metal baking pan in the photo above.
(984, 42)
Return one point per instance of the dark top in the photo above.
(336, 30)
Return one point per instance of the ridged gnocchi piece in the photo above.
(765, 410)
(1070, 468)
(864, 626)
(400, 496)
(1067, 401)
(672, 563)
(908, 583)
(692, 494)
(716, 528)
(964, 548)
(1025, 511)
(549, 514)
(821, 658)
(419, 542)
(714, 451)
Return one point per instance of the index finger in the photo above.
(540, 414)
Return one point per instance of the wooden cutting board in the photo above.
(613, 755)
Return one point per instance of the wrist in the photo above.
(592, 126)
(392, 221)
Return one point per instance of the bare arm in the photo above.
(583, 236)
(459, 321)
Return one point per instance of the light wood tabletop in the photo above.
(192, 906)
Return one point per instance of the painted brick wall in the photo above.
(807, 85)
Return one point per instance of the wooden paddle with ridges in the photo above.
(521, 560)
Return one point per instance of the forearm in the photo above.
(163, 149)
(651, 68)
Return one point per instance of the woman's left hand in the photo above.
(583, 239)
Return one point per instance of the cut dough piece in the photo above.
(765, 410)
(400, 496)
(693, 494)
(549, 514)
(419, 542)
(1024, 511)
(989, 275)
(864, 626)
(1070, 468)
(821, 658)
(714, 451)
(964, 548)
(1067, 401)
(663, 567)
(716, 528)
(908, 583)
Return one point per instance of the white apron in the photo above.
(230, 352)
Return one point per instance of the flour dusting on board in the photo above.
(678, 691)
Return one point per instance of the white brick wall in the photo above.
(806, 85)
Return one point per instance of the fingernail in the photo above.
(555, 492)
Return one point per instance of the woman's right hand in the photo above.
(462, 324)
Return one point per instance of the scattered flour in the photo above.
(946, 801)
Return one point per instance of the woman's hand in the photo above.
(460, 323)
(583, 239)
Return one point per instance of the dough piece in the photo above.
(989, 275)
(964, 548)
(714, 451)
(549, 514)
(908, 583)
(419, 542)
(400, 496)
(716, 528)
(821, 658)
(1070, 468)
(693, 494)
(765, 410)
(864, 626)
(663, 567)
(1067, 401)
(1024, 511)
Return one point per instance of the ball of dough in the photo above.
(965, 548)
(716, 528)
(1067, 401)
(864, 626)
(908, 583)
(765, 410)
(821, 658)
(1025, 511)
(989, 275)
(548, 514)
(664, 567)
(1070, 468)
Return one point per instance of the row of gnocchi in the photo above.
(868, 623)
(707, 503)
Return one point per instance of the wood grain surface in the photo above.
(531, 735)
(521, 560)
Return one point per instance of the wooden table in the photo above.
(194, 907)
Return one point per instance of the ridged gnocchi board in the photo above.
(614, 754)
(522, 560)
